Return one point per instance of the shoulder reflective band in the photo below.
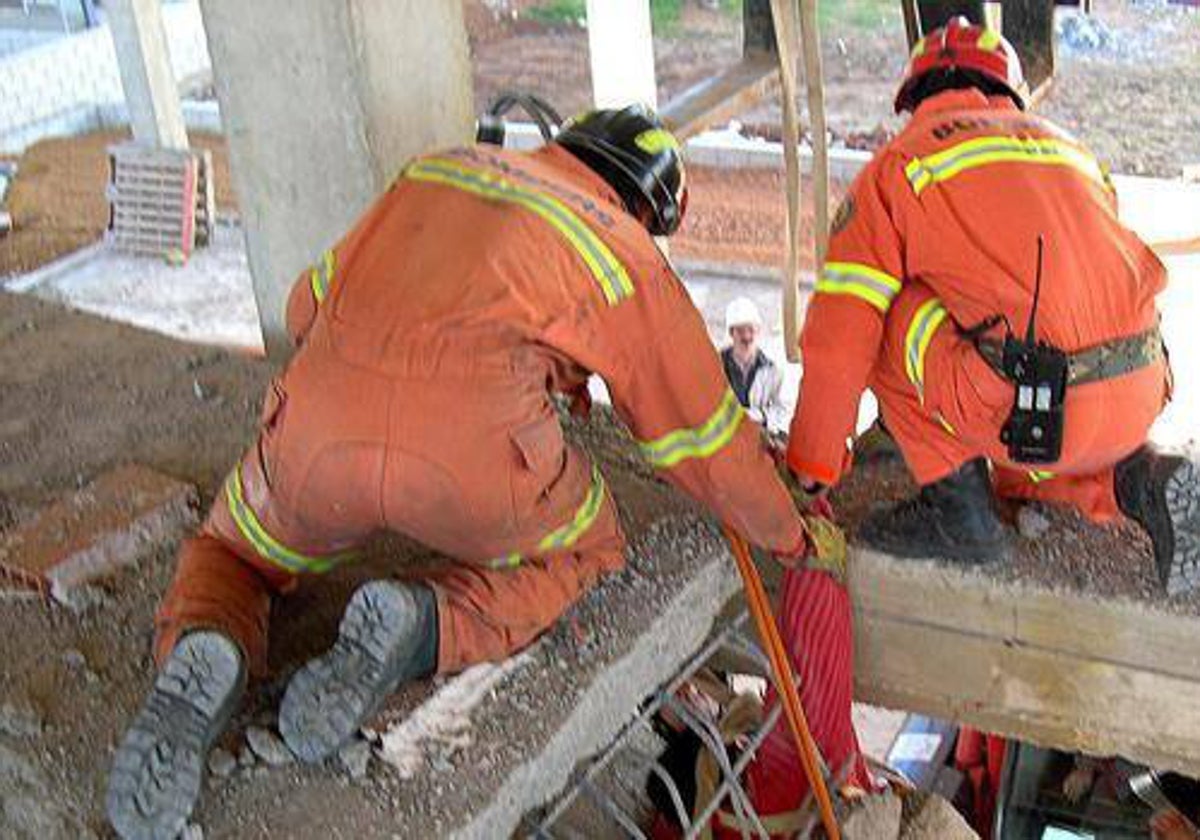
(876, 287)
(702, 441)
(566, 535)
(263, 543)
(608, 272)
(321, 276)
(928, 318)
(983, 151)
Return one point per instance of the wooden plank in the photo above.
(1143, 636)
(1050, 698)
(1059, 667)
(722, 97)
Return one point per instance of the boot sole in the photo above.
(332, 696)
(1180, 570)
(157, 770)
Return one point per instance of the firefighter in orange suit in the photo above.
(928, 296)
(430, 341)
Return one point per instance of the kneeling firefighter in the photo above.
(979, 282)
(430, 342)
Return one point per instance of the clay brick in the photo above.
(92, 533)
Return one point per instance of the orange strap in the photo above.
(764, 620)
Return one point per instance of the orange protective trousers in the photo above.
(431, 339)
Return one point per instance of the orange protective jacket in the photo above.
(536, 278)
(955, 205)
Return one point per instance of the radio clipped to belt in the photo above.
(1033, 432)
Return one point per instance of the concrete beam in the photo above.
(1059, 668)
(147, 78)
(621, 49)
(323, 103)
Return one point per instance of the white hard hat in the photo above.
(741, 311)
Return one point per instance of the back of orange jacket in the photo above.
(957, 202)
(520, 274)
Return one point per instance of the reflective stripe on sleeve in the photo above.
(321, 276)
(702, 441)
(984, 151)
(266, 546)
(567, 535)
(921, 329)
(610, 275)
(878, 288)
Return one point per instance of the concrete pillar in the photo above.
(621, 48)
(323, 102)
(146, 75)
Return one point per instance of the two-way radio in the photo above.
(1034, 429)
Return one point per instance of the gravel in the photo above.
(268, 746)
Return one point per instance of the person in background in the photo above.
(755, 378)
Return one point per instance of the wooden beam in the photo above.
(1058, 668)
(1029, 26)
(721, 97)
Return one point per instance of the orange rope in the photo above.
(764, 619)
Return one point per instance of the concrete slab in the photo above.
(575, 693)
(96, 531)
(209, 300)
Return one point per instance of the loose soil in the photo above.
(82, 394)
(58, 202)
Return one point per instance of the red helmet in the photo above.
(962, 45)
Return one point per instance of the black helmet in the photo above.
(641, 160)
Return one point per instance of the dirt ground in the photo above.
(57, 200)
(82, 394)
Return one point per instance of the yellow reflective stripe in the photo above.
(569, 534)
(946, 425)
(984, 151)
(262, 542)
(988, 40)
(865, 282)
(1038, 476)
(702, 441)
(321, 277)
(655, 140)
(921, 329)
(609, 274)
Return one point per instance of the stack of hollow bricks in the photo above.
(161, 201)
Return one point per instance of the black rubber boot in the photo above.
(388, 636)
(955, 518)
(156, 773)
(1162, 494)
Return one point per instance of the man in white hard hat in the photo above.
(755, 379)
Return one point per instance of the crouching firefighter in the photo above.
(430, 342)
(979, 282)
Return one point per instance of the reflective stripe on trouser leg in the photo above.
(485, 615)
(567, 535)
(266, 546)
(925, 322)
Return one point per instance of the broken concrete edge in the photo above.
(611, 699)
(94, 532)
